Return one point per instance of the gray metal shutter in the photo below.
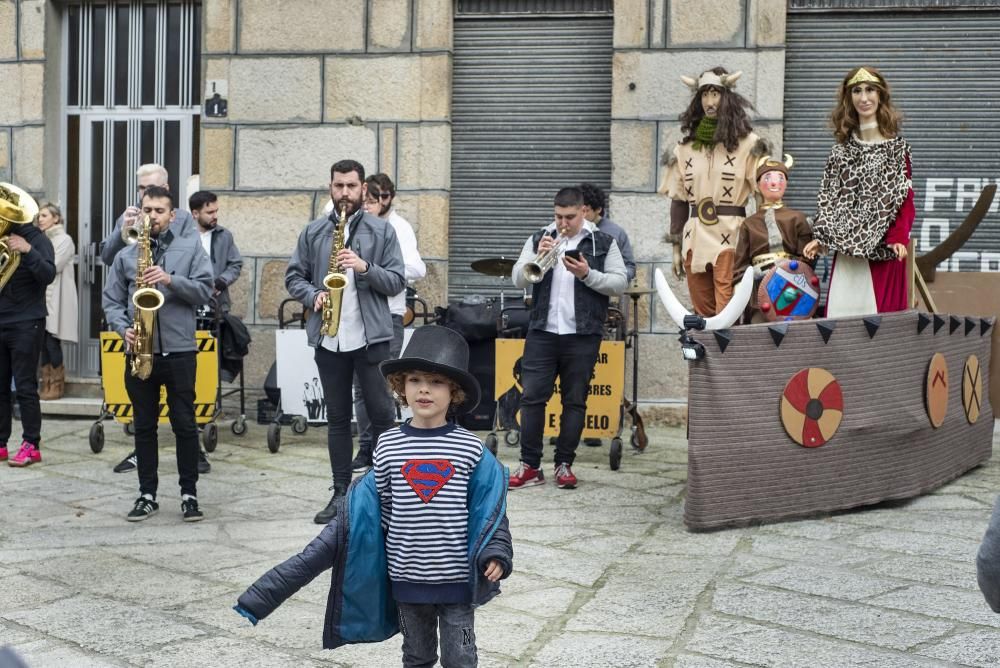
(942, 69)
(531, 113)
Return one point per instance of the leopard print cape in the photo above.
(863, 188)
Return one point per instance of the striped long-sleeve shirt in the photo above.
(422, 477)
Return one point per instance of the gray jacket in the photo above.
(182, 225)
(374, 240)
(607, 226)
(227, 263)
(190, 286)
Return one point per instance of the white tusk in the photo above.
(730, 79)
(689, 82)
(734, 309)
(675, 309)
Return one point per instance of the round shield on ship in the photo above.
(812, 407)
(972, 389)
(788, 291)
(936, 390)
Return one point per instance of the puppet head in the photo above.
(772, 178)
(844, 117)
(733, 123)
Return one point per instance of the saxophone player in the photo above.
(568, 309)
(362, 255)
(182, 272)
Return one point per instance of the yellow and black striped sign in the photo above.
(206, 345)
(113, 345)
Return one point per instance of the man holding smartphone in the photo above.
(568, 309)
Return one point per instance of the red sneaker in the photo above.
(28, 454)
(564, 477)
(3, 452)
(525, 476)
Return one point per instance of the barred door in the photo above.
(131, 96)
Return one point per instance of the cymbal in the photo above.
(638, 291)
(494, 266)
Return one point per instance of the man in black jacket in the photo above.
(22, 323)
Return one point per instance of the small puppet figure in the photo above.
(709, 178)
(774, 241)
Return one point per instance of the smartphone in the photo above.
(573, 253)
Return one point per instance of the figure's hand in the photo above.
(494, 570)
(155, 275)
(900, 250)
(17, 243)
(348, 259)
(130, 337)
(677, 266)
(320, 300)
(578, 268)
(812, 250)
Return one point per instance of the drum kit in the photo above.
(499, 267)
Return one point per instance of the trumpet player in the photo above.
(367, 266)
(568, 309)
(182, 272)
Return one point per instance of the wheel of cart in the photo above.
(117, 406)
(294, 369)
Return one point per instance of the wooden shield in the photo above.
(812, 407)
(936, 390)
(972, 389)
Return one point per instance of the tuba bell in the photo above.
(16, 208)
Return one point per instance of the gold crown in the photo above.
(862, 76)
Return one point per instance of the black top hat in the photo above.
(437, 349)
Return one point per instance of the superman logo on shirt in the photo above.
(426, 477)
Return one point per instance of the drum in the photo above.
(788, 291)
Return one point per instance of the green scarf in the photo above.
(704, 134)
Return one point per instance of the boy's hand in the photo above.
(494, 570)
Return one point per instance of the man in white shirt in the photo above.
(381, 193)
(568, 310)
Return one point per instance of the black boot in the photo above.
(330, 512)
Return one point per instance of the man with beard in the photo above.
(709, 178)
(227, 263)
(373, 266)
(182, 272)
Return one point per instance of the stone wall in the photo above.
(656, 41)
(362, 79)
(22, 112)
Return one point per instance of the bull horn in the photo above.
(928, 262)
(729, 80)
(689, 82)
(736, 306)
(789, 161)
(675, 309)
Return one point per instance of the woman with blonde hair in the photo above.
(864, 209)
(61, 302)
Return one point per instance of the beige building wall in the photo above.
(362, 79)
(657, 41)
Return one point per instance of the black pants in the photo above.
(571, 357)
(336, 373)
(19, 344)
(176, 373)
(365, 442)
(52, 350)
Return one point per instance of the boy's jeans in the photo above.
(458, 635)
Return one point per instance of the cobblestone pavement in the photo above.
(605, 575)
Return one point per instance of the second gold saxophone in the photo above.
(334, 281)
(147, 300)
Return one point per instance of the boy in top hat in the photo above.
(427, 525)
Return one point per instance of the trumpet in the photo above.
(534, 271)
(130, 233)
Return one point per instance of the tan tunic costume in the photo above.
(707, 181)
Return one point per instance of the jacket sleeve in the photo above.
(501, 548)
(415, 269)
(196, 287)
(988, 561)
(612, 280)
(385, 273)
(298, 275)
(234, 261)
(625, 246)
(284, 580)
(40, 260)
(115, 299)
(113, 243)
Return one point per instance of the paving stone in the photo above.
(695, 661)
(672, 538)
(754, 644)
(599, 649)
(822, 580)
(539, 601)
(14, 637)
(905, 542)
(24, 588)
(74, 620)
(923, 569)
(819, 529)
(49, 653)
(806, 550)
(150, 532)
(388, 653)
(980, 648)
(197, 558)
(221, 652)
(294, 625)
(828, 617)
(562, 564)
(958, 523)
(748, 564)
(942, 602)
(504, 632)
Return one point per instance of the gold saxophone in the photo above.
(16, 208)
(334, 281)
(147, 300)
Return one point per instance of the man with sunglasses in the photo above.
(382, 189)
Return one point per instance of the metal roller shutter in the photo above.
(531, 113)
(942, 69)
